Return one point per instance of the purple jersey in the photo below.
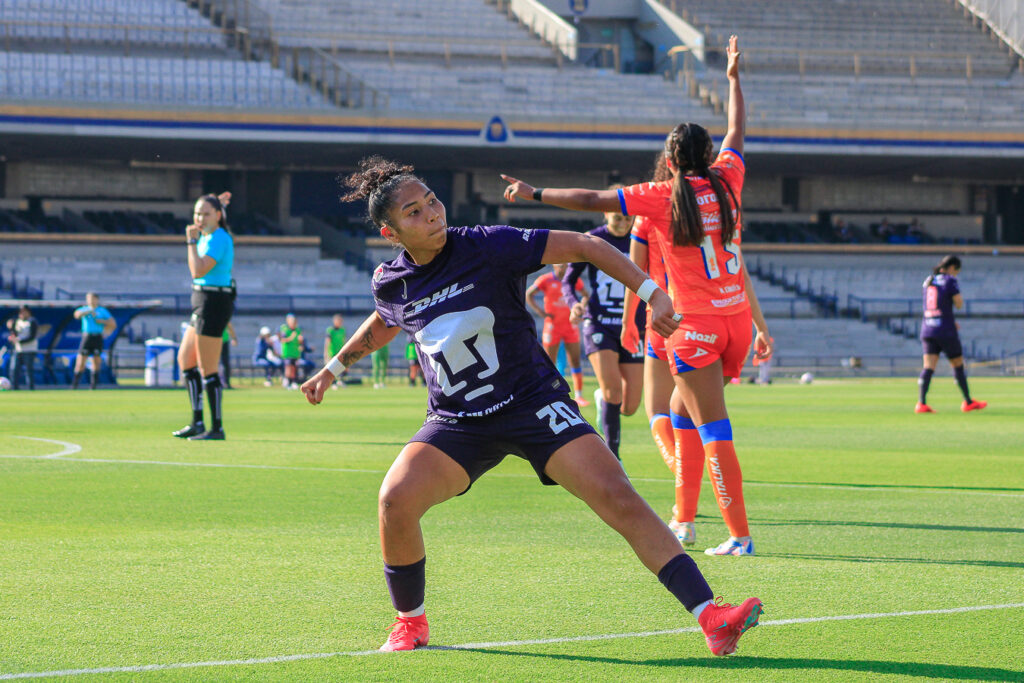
(939, 291)
(466, 309)
(606, 293)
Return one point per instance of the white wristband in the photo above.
(335, 367)
(645, 290)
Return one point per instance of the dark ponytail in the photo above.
(376, 181)
(689, 147)
(951, 261)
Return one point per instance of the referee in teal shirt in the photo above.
(96, 323)
(211, 256)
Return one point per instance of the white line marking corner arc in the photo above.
(68, 448)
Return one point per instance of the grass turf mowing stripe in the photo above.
(483, 646)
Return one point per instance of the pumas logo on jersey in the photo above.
(701, 337)
(598, 338)
(449, 292)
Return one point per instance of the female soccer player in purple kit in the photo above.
(940, 333)
(494, 391)
(620, 373)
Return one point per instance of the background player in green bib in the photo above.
(230, 339)
(291, 350)
(414, 361)
(333, 341)
(380, 366)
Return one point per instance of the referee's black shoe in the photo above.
(212, 435)
(190, 430)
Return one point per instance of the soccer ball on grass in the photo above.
(806, 378)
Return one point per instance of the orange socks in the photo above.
(661, 430)
(689, 457)
(726, 477)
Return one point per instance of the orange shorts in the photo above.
(555, 333)
(703, 339)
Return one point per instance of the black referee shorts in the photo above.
(211, 312)
(92, 345)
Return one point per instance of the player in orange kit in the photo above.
(558, 328)
(697, 218)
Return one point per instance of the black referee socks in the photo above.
(214, 392)
(194, 384)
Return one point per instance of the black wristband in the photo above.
(537, 192)
(191, 241)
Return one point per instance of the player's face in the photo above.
(618, 224)
(290, 321)
(559, 269)
(337, 321)
(92, 300)
(418, 219)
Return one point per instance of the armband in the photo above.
(537, 192)
(645, 290)
(335, 367)
(191, 241)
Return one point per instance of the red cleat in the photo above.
(407, 633)
(723, 624)
(923, 408)
(968, 406)
(582, 402)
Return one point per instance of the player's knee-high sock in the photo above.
(407, 585)
(94, 378)
(611, 425)
(923, 382)
(214, 392)
(194, 384)
(961, 380)
(726, 478)
(577, 381)
(689, 467)
(76, 380)
(664, 439)
(683, 579)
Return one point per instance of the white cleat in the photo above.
(686, 532)
(733, 546)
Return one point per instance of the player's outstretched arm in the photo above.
(575, 199)
(737, 108)
(371, 335)
(564, 246)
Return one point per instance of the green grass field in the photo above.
(160, 560)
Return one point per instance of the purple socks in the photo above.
(406, 584)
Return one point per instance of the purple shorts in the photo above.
(598, 337)
(533, 432)
(950, 346)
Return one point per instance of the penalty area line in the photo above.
(483, 646)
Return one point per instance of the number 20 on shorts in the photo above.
(559, 416)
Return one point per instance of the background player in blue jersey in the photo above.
(620, 373)
(96, 322)
(211, 256)
(493, 390)
(940, 333)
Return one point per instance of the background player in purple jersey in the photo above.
(620, 373)
(493, 390)
(940, 333)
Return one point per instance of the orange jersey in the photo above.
(643, 233)
(706, 279)
(554, 303)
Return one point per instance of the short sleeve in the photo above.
(383, 308)
(647, 199)
(217, 246)
(518, 251)
(953, 286)
(731, 168)
(541, 281)
(102, 313)
(641, 230)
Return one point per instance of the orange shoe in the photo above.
(968, 406)
(723, 624)
(923, 408)
(582, 402)
(408, 633)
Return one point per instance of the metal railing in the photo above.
(867, 308)
(130, 37)
(181, 303)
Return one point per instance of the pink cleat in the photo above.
(968, 406)
(723, 624)
(407, 633)
(923, 408)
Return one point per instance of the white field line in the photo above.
(168, 463)
(480, 646)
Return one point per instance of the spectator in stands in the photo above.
(97, 322)
(884, 230)
(334, 339)
(291, 350)
(211, 256)
(24, 335)
(264, 356)
(940, 333)
(229, 339)
(710, 285)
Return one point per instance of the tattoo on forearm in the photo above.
(347, 359)
(368, 341)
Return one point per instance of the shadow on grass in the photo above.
(887, 525)
(897, 560)
(887, 486)
(768, 664)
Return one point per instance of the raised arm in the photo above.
(737, 109)
(371, 335)
(575, 199)
(577, 247)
